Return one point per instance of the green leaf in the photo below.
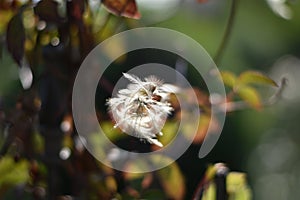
(39, 143)
(15, 37)
(112, 133)
(210, 192)
(229, 78)
(254, 77)
(136, 166)
(237, 186)
(250, 95)
(210, 172)
(170, 129)
(13, 173)
(97, 142)
(5, 16)
(172, 181)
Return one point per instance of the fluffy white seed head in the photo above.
(142, 108)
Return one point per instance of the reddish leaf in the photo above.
(15, 37)
(48, 10)
(204, 123)
(76, 9)
(125, 8)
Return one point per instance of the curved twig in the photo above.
(241, 105)
(227, 33)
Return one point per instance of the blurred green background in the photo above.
(264, 144)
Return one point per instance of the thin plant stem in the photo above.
(227, 33)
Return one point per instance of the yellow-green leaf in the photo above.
(254, 77)
(170, 129)
(210, 172)
(111, 184)
(229, 78)
(67, 141)
(136, 166)
(237, 186)
(210, 192)
(13, 173)
(38, 142)
(250, 95)
(172, 181)
(112, 133)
